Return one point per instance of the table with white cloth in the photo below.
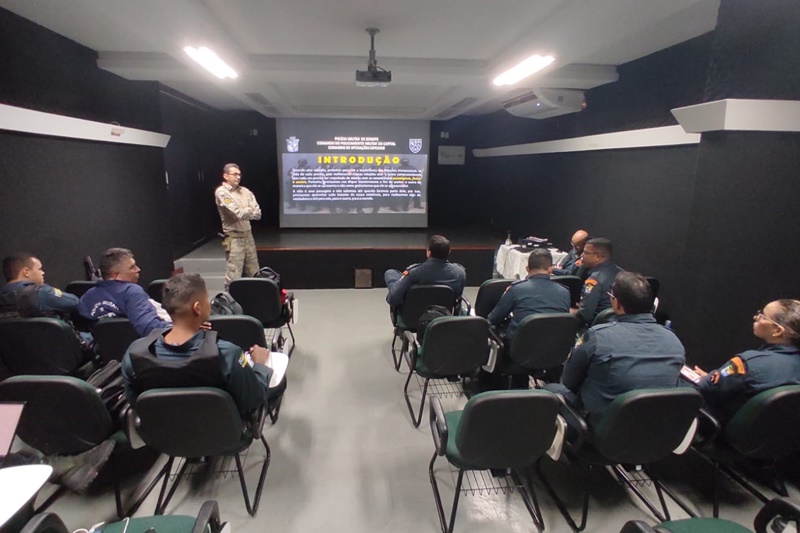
(18, 484)
(511, 261)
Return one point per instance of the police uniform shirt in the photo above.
(614, 358)
(729, 387)
(535, 294)
(594, 295)
(237, 207)
(570, 265)
(247, 385)
(434, 271)
(51, 301)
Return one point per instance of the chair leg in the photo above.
(161, 506)
(415, 419)
(586, 474)
(395, 355)
(528, 493)
(738, 478)
(252, 509)
(291, 334)
(623, 477)
(438, 499)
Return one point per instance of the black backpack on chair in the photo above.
(223, 304)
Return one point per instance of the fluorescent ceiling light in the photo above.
(211, 62)
(523, 70)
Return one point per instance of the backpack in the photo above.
(223, 304)
(109, 385)
(92, 273)
(268, 273)
(428, 315)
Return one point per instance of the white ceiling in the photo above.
(297, 58)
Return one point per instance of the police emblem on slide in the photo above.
(415, 145)
(292, 144)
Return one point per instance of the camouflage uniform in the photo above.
(237, 207)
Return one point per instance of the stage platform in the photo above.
(327, 259)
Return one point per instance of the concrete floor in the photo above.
(346, 458)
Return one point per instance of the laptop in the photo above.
(10, 414)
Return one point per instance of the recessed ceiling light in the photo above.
(523, 70)
(211, 62)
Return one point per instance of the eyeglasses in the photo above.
(590, 253)
(238, 174)
(760, 314)
(611, 295)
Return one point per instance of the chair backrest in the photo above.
(63, 415)
(189, 422)
(603, 317)
(645, 425)
(156, 289)
(543, 340)
(419, 297)
(767, 426)
(39, 346)
(456, 345)
(79, 287)
(259, 298)
(507, 429)
(113, 336)
(489, 293)
(655, 285)
(244, 331)
(574, 284)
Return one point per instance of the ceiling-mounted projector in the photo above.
(545, 103)
(374, 76)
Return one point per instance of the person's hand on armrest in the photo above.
(259, 354)
(573, 310)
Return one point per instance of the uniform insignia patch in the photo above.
(227, 200)
(735, 367)
(589, 285)
(57, 292)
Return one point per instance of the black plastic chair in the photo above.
(575, 286)
(156, 289)
(540, 345)
(495, 430)
(196, 422)
(112, 337)
(782, 508)
(79, 287)
(246, 331)
(489, 293)
(406, 317)
(763, 431)
(207, 520)
(261, 298)
(40, 346)
(63, 415)
(604, 317)
(655, 285)
(638, 428)
(453, 346)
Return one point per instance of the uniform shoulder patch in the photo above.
(57, 292)
(735, 367)
(227, 200)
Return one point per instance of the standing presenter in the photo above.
(237, 207)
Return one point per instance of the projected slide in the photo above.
(353, 173)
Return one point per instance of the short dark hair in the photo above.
(633, 292)
(13, 264)
(540, 259)
(439, 247)
(788, 316)
(602, 245)
(111, 259)
(227, 168)
(181, 291)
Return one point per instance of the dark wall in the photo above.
(64, 199)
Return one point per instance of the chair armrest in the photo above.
(708, 428)
(462, 301)
(413, 350)
(577, 428)
(438, 425)
(783, 507)
(495, 337)
(49, 522)
(635, 526)
(208, 516)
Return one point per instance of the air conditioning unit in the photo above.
(545, 103)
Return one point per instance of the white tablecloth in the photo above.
(511, 262)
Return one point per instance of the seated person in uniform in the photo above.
(570, 265)
(437, 270)
(27, 295)
(187, 355)
(633, 352)
(120, 295)
(774, 364)
(601, 272)
(535, 294)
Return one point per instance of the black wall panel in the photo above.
(64, 199)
